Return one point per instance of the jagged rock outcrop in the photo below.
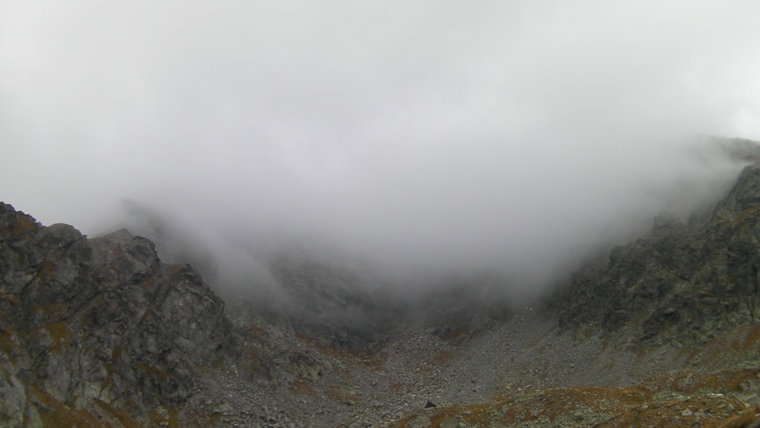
(96, 331)
(682, 284)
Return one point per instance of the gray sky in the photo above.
(501, 133)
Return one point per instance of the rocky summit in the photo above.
(661, 331)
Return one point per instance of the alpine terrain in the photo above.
(661, 331)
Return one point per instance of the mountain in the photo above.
(684, 283)
(661, 331)
(93, 328)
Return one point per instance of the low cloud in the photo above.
(496, 136)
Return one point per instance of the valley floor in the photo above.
(523, 372)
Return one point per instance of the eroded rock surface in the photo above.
(98, 324)
(684, 282)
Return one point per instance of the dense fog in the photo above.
(481, 136)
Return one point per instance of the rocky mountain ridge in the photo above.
(662, 331)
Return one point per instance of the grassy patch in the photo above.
(22, 225)
(52, 311)
(342, 395)
(744, 214)
(752, 338)
(56, 414)
(7, 342)
(123, 417)
(744, 420)
(682, 398)
(59, 334)
(110, 369)
(302, 386)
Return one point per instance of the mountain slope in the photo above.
(684, 283)
(100, 325)
(662, 331)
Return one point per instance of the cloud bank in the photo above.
(488, 135)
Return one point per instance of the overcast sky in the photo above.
(503, 132)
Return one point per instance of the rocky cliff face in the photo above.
(683, 283)
(100, 325)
